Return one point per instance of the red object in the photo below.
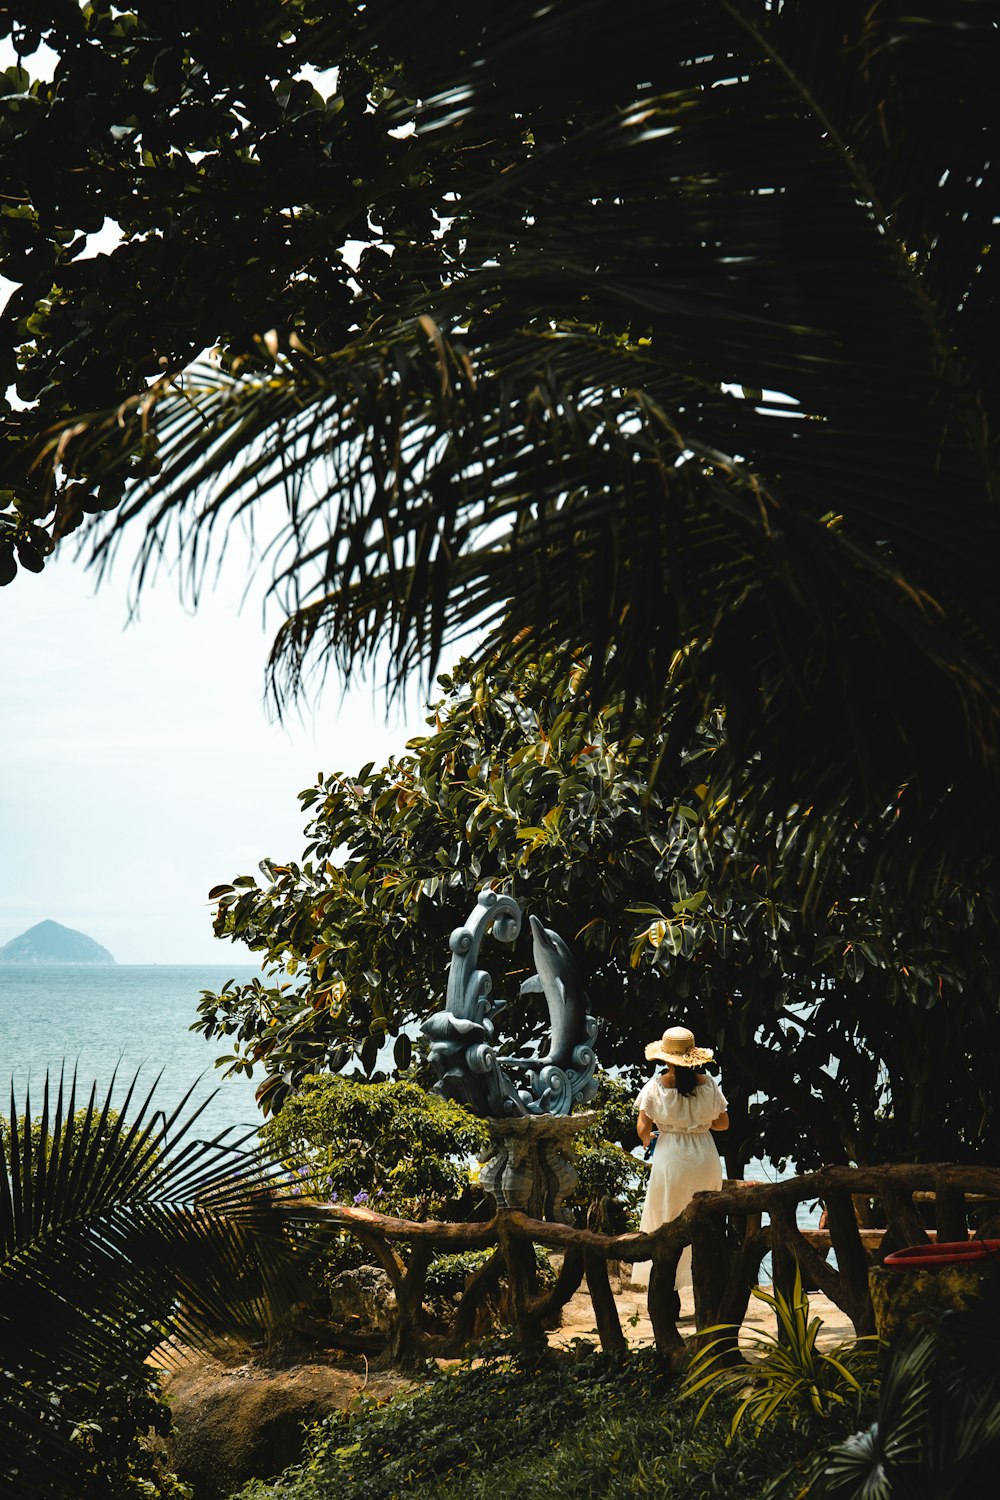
(958, 1253)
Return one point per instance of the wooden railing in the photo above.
(725, 1230)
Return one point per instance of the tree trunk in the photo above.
(405, 1348)
(522, 1284)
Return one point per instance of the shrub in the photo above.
(393, 1144)
(116, 1454)
(603, 1157)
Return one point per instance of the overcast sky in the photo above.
(139, 767)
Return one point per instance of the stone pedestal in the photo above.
(529, 1163)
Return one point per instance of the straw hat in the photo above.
(677, 1046)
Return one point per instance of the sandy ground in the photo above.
(578, 1319)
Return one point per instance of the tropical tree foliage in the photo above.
(686, 348)
(854, 1034)
(232, 179)
(121, 1233)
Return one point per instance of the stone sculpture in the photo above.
(566, 1072)
(529, 1165)
(463, 1036)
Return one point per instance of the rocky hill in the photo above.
(51, 943)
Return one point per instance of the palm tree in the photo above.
(694, 372)
(120, 1234)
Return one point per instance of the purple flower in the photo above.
(361, 1197)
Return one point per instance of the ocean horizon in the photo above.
(108, 1021)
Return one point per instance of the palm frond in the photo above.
(853, 1470)
(121, 1233)
(687, 382)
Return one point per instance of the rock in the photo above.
(232, 1425)
(362, 1301)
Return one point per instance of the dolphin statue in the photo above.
(556, 977)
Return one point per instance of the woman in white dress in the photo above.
(684, 1106)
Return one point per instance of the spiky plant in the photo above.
(937, 1431)
(791, 1375)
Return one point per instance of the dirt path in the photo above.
(578, 1319)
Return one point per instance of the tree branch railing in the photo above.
(725, 1264)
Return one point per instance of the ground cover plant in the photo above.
(578, 1425)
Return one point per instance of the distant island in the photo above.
(52, 943)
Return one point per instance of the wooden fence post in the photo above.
(664, 1303)
(480, 1284)
(406, 1344)
(709, 1264)
(743, 1275)
(522, 1282)
(950, 1216)
(783, 1261)
(852, 1260)
(548, 1304)
(609, 1327)
(905, 1226)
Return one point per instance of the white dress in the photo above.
(685, 1160)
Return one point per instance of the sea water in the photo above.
(108, 1022)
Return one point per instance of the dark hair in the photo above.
(685, 1080)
